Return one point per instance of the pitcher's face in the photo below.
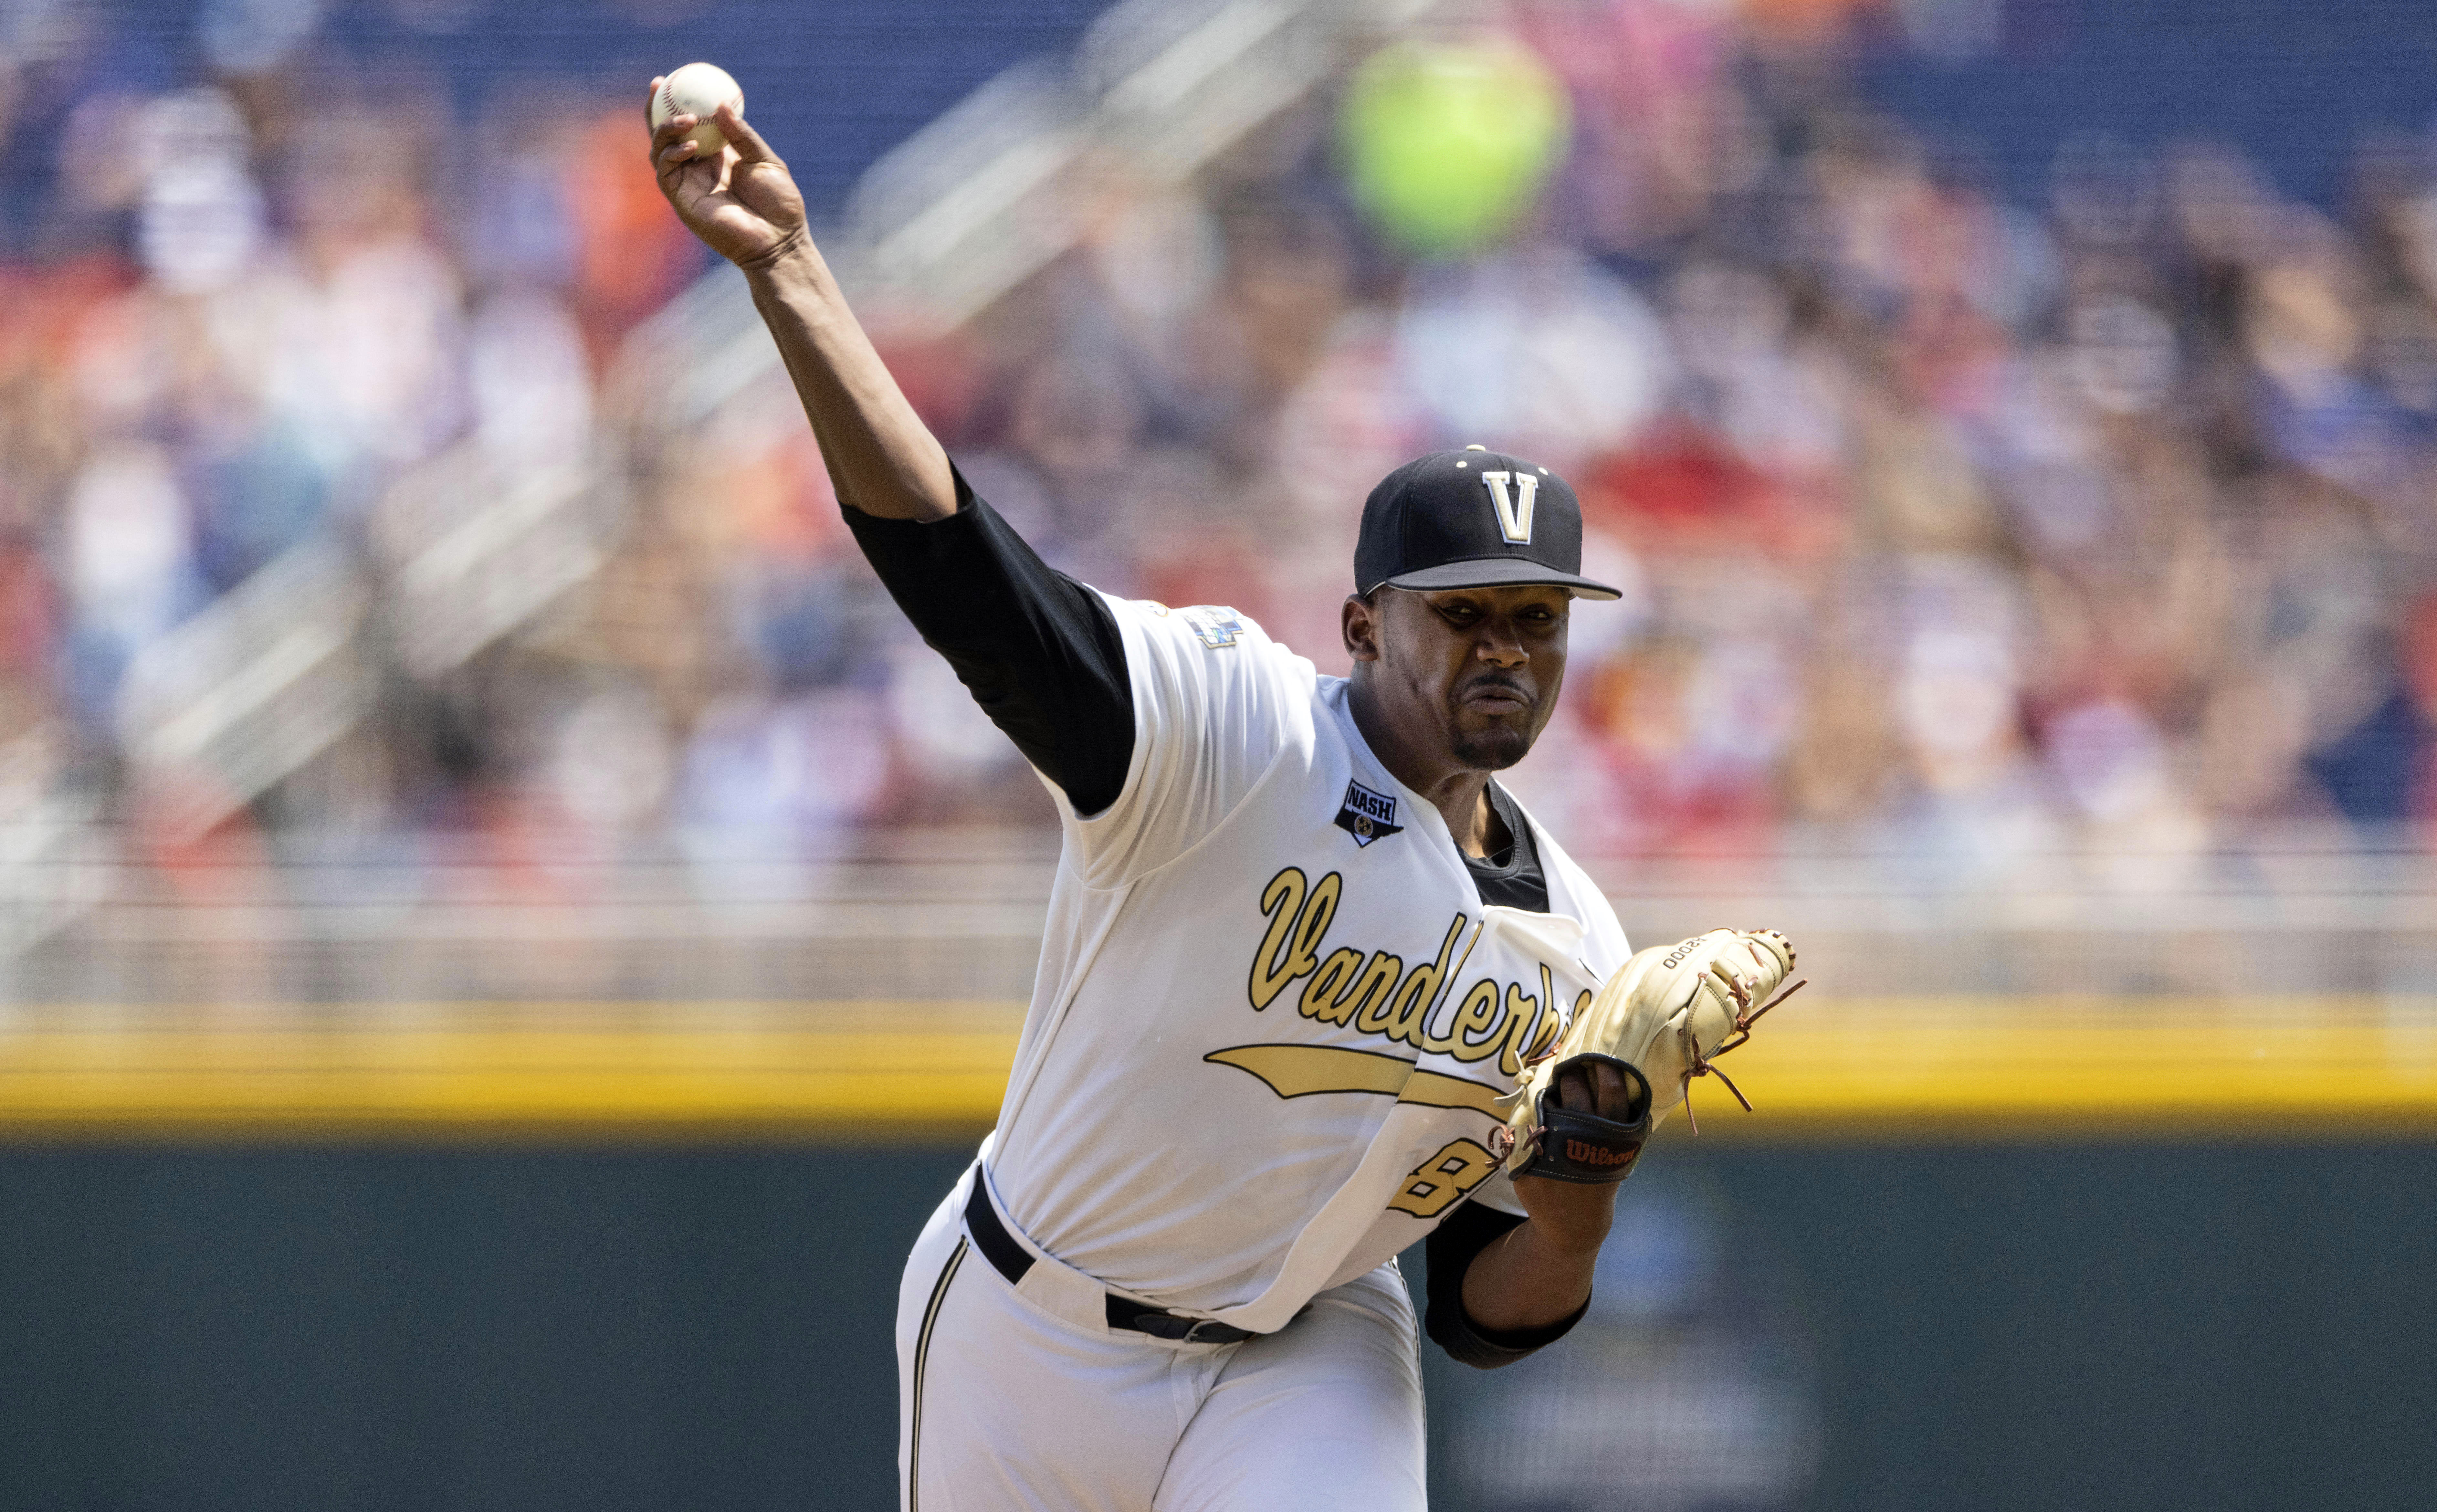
(1470, 673)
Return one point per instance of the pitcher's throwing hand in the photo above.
(741, 201)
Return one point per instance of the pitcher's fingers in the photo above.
(651, 94)
(679, 154)
(1615, 1098)
(1574, 1091)
(671, 129)
(748, 142)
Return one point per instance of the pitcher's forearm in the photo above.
(1530, 1277)
(881, 459)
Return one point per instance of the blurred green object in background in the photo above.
(1446, 147)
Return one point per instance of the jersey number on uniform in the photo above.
(1437, 1182)
(1515, 511)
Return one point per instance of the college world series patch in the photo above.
(1367, 815)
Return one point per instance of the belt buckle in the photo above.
(1180, 1330)
(1167, 1326)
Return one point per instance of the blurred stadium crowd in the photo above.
(1953, 523)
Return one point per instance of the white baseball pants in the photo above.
(1025, 1399)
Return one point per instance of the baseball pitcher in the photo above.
(1314, 987)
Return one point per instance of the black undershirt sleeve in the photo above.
(1452, 1247)
(1040, 652)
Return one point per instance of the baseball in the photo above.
(697, 90)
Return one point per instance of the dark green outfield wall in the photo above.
(2056, 1331)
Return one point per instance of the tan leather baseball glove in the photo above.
(1663, 1019)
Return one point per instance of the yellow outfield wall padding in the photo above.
(1819, 1067)
(2103, 1064)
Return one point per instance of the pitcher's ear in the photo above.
(1358, 619)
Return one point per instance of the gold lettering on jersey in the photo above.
(1282, 900)
(1371, 987)
(1477, 1014)
(1379, 986)
(1299, 915)
(1581, 1001)
(1371, 992)
(1531, 1024)
(1314, 923)
(1408, 1011)
(1329, 998)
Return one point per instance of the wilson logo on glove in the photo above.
(1590, 1154)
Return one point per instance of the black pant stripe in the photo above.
(923, 1359)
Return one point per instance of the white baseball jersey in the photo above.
(1272, 1015)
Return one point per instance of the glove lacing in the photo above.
(1746, 1016)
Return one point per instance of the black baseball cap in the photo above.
(1472, 519)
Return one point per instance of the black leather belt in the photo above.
(1010, 1259)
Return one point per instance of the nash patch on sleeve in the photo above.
(1367, 815)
